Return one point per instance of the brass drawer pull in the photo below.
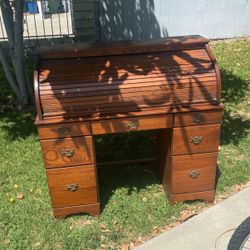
(196, 140)
(194, 174)
(131, 125)
(64, 130)
(198, 118)
(68, 152)
(72, 187)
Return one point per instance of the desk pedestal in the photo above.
(187, 145)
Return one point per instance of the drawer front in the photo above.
(64, 130)
(68, 151)
(72, 186)
(196, 139)
(132, 124)
(196, 118)
(193, 173)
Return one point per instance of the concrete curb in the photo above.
(209, 230)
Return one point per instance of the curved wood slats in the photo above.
(98, 85)
(142, 101)
(217, 71)
(122, 92)
(110, 66)
(36, 89)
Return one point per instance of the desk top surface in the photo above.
(120, 47)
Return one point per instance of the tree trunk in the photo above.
(14, 27)
(8, 74)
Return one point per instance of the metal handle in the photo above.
(196, 140)
(131, 125)
(72, 187)
(64, 130)
(194, 174)
(69, 152)
(198, 118)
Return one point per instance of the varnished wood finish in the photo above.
(122, 125)
(111, 84)
(91, 209)
(60, 179)
(197, 118)
(79, 149)
(207, 196)
(207, 134)
(149, 112)
(64, 130)
(217, 71)
(183, 166)
(36, 87)
(163, 152)
(122, 48)
(171, 85)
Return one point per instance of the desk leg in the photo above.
(91, 209)
(74, 188)
(163, 142)
(187, 168)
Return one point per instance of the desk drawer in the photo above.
(197, 118)
(68, 151)
(193, 173)
(64, 130)
(196, 139)
(132, 124)
(72, 186)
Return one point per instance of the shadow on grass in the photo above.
(133, 178)
(18, 124)
(234, 90)
(233, 129)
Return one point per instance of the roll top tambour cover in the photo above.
(122, 77)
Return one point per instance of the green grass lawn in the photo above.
(132, 199)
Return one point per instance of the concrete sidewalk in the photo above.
(207, 231)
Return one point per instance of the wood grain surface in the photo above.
(141, 123)
(68, 151)
(64, 130)
(207, 196)
(170, 85)
(121, 47)
(209, 136)
(184, 165)
(83, 176)
(93, 86)
(198, 118)
(90, 209)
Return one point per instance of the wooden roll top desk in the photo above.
(169, 85)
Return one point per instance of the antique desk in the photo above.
(170, 85)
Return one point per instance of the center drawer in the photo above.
(68, 151)
(72, 186)
(132, 124)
